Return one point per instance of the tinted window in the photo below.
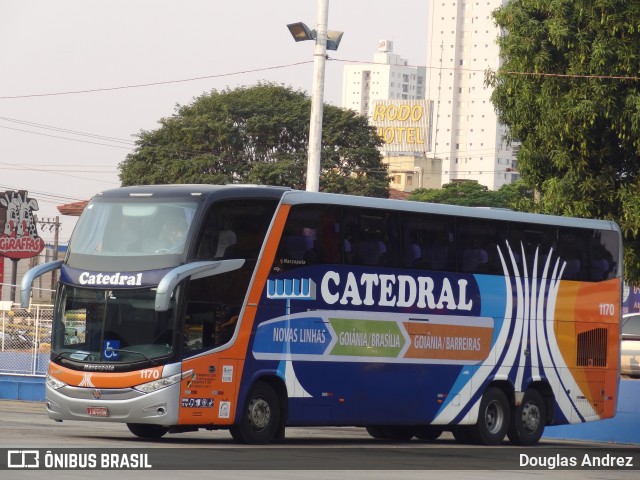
(213, 306)
(428, 242)
(312, 235)
(527, 241)
(573, 249)
(590, 255)
(477, 245)
(371, 237)
(235, 229)
(604, 255)
(317, 234)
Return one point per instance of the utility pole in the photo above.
(54, 226)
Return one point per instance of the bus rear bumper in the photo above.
(158, 408)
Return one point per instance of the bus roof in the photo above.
(192, 190)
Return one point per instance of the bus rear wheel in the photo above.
(144, 430)
(493, 418)
(258, 422)
(528, 420)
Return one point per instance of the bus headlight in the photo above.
(54, 383)
(158, 384)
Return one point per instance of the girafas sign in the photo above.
(403, 125)
(18, 234)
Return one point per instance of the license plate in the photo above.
(98, 411)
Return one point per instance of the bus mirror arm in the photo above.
(194, 270)
(31, 275)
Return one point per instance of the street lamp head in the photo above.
(300, 32)
(333, 39)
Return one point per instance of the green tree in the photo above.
(568, 91)
(257, 134)
(516, 195)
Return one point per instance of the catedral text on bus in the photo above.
(254, 308)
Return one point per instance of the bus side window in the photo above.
(604, 255)
(213, 306)
(527, 241)
(371, 237)
(478, 246)
(572, 245)
(311, 236)
(427, 242)
(224, 237)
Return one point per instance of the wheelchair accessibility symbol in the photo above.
(111, 350)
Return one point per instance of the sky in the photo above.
(135, 60)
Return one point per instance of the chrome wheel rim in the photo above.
(259, 413)
(530, 417)
(494, 417)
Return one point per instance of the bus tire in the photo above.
(528, 419)
(429, 432)
(258, 422)
(493, 418)
(375, 432)
(391, 432)
(461, 434)
(145, 430)
(398, 433)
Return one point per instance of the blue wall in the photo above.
(17, 387)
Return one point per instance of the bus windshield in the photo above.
(121, 228)
(113, 326)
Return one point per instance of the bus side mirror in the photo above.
(30, 276)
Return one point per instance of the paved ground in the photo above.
(306, 453)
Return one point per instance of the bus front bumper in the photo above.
(114, 405)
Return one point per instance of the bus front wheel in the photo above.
(461, 434)
(144, 430)
(493, 418)
(258, 422)
(528, 420)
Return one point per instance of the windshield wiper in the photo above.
(59, 355)
(88, 356)
(127, 351)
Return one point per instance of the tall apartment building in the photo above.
(466, 133)
(389, 82)
(389, 77)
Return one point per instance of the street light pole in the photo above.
(317, 98)
(325, 40)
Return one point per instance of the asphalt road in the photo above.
(333, 453)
